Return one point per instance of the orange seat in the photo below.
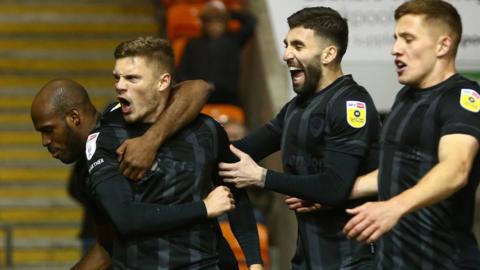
(224, 113)
(178, 46)
(237, 250)
(183, 20)
(168, 3)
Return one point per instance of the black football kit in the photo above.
(438, 236)
(161, 220)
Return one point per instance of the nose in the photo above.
(287, 54)
(120, 85)
(46, 140)
(396, 47)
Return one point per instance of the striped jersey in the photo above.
(309, 130)
(438, 236)
(161, 220)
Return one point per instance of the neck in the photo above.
(443, 70)
(90, 123)
(329, 75)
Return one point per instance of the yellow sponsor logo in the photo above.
(470, 100)
(356, 114)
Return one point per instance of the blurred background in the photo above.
(40, 222)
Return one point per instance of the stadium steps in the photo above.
(41, 40)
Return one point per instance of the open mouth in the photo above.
(400, 66)
(296, 73)
(126, 108)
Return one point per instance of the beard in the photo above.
(73, 146)
(313, 74)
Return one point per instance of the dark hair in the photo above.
(436, 11)
(154, 49)
(325, 22)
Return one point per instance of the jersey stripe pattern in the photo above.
(438, 236)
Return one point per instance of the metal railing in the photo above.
(7, 248)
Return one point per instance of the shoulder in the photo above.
(203, 124)
(112, 115)
(461, 97)
(352, 96)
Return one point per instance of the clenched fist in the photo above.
(219, 201)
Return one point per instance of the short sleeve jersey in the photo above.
(438, 236)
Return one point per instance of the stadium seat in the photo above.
(168, 3)
(178, 45)
(224, 113)
(183, 20)
(237, 250)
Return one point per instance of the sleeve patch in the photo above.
(91, 145)
(356, 114)
(470, 100)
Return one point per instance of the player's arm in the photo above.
(98, 256)
(112, 191)
(136, 155)
(331, 187)
(365, 185)
(137, 218)
(247, 22)
(242, 219)
(456, 153)
(346, 148)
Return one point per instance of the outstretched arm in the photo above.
(330, 187)
(364, 186)
(136, 155)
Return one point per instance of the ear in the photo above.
(444, 45)
(164, 81)
(329, 54)
(73, 118)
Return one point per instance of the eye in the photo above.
(299, 47)
(132, 78)
(47, 130)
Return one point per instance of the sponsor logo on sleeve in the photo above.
(356, 114)
(95, 164)
(91, 145)
(470, 100)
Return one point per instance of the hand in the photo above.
(243, 173)
(255, 267)
(371, 220)
(301, 206)
(219, 201)
(136, 157)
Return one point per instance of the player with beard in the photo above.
(324, 133)
(429, 162)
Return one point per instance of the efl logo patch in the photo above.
(470, 100)
(91, 145)
(356, 114)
